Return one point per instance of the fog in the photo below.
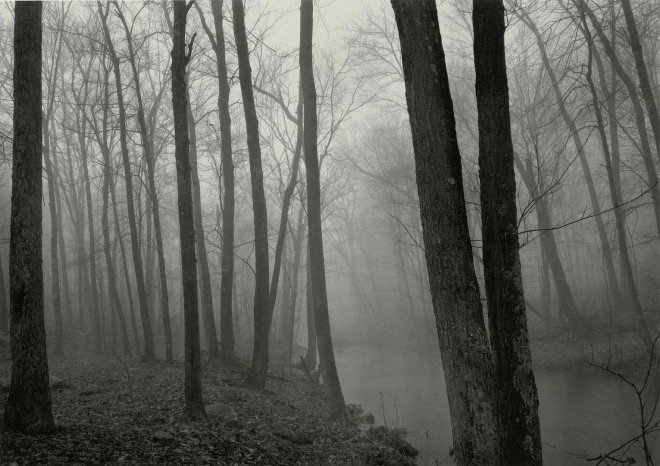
(584, 299)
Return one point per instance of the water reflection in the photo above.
(583, 411)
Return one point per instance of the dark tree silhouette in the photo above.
(193, 367)
(28, 407)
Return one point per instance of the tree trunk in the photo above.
(642, 73)
(206, 290)
(549, 246)
(262, 309)
(579, 147)
(54, 230)
(629, 286)
(114, 301)
(293, 285)
(194, 408)
(518, 398)
(466, 357)
(127, 277)
(4, 309)
(227, 277)
(95, 299)
(147, 146)
(310, 355)
(638, 111)
(333, 392)
(28, 407)
(149, 354)
(64, 273)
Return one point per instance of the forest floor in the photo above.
(114, 410)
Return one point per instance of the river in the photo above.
(583, 411)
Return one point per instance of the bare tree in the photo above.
(149, 354)
(28, 407)
(262, 310)
(518, 398)
(334, 395)
(467, 361)
(194, 408)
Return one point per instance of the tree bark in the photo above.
(28, 407)
(518, 398)
(262, 309)
(149, 353)
(332, 387)
(310, 355)
(147, 146)
(194, 407)
(464, 347)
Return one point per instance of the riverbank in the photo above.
(113, 410)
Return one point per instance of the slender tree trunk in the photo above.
(194, 408)
(310, 355)
(113, 300)
(640, 119)
(518, 398)
(95, 298)
(286, 204)
(227, 277)
(262, 310)
(293, 284)
(149, 354)
(629, 287)
(28, 407)
(4, 308)
(54, 230)
(549, 246)
(206, 290)
(642, 73)
(64, 273)
(333, 392)
(466, 357)
(127, 277)
(153, 197)
(579, 147)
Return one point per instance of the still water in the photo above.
(583, 411)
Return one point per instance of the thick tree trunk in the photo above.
(262, 309)
(333, 392)
(194, 408)
(206, 291)
(464, 347)
(149, 353)
(28, 407)
(518, 398)
(147, 145)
